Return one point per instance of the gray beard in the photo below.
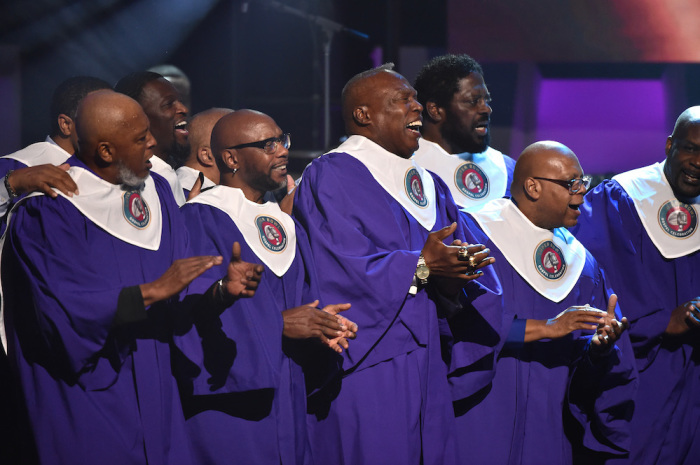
(129, 179)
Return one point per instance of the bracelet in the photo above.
(10, 191)
(219, 291)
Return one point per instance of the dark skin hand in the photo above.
(241, 280)
(287, 202)
(480, 252)
(443, 259)
(609, 332)
(180, 274)
(307, 321)
(607, 328)
(197, 187)
(448, 272)
(43, 178)
(565, 323)
(684, 318)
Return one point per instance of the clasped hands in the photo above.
(684, 317)
(241, 281)
(308, 321)
(607, 328)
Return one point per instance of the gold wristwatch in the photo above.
(422, 271)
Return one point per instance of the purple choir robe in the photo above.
(94, 393)
(40, 152)
(10, 412)
(243, 395)
(548, 396)
(666, 421)
(391, 402)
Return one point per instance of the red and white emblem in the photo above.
(272, 233)
(472, 181)
(678, 219)
(135, 209)
(549, 260)
(414, 188)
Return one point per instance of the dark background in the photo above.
(253, 54)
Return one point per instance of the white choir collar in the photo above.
(473, 178)
(268, 231)
(134, 217)
(164, 169)
(550, 261)
(409, 184)
(670, 224)
(188, 176)
(41, 153)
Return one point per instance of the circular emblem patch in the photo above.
(678, 219)
(414, 188)
(549, 260)
(135, 209)
(272, 233)
(472, 181)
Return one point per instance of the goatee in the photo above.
(130, 179)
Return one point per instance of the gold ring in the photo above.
(463, 253)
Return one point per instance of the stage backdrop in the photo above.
(605, 77)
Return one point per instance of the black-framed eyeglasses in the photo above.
(269, 146)
(574, 185)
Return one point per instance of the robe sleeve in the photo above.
(476, 335)
(602, 388)
(319, 363)
(47, 239)
(308, 279)
(611, 230)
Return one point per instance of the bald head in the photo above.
(201, 126)
(253, 169)
(682, 166)
(539, 159)
(547, 203)
(201, 157)
(359, 91)
(381, 105)
(238, 127)
(688, 118)
(102, 115)
(113, 130)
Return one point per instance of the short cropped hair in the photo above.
(133, 84)
(69, 93)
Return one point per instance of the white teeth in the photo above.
(414, 125)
